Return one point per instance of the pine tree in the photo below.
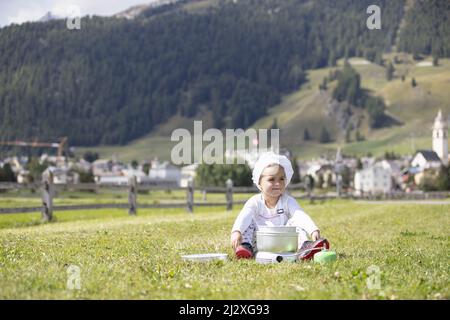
(274, 124)
(324, 136)
(379, 58)
(329, 181)
(359, 136)
(306, 135)
(359, 164)
(325, 83)
(320, 181)
(435, 60)
(347, 135)
(90, 156)
(332, 59)
(146, 168)
(6, 173)
(86, 177)
(390, 71)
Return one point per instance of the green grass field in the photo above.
(140, 257)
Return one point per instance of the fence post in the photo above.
(190, 196)
(132, 196)
(204, 195)
(229, 194)
(47, 196)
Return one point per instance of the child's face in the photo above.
(273, 181)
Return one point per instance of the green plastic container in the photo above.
(325, 256)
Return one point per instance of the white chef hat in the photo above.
(269, 158)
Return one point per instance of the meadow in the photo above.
(139, 257)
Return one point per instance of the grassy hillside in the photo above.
(415, 108)
(122, 257)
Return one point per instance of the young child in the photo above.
(273, 207)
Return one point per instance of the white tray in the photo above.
(203, 257)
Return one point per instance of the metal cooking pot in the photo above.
(277, 229)
(276, 241)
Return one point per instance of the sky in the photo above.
(19, 11)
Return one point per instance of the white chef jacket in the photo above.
(286, 212)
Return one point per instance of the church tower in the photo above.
(440, 138)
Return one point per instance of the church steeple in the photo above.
(440, 137)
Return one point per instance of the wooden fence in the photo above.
(49, 190)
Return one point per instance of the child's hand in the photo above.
(236, 239)
(315, 235)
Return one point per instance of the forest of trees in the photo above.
(115, 79)
(217, 175)
(427, 29)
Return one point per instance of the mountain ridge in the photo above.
(117, 80)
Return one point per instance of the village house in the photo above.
(395, 169)
(426, 159)
(108, 172)
(106, 167)
(164, 174)
(80, 165)
(375, 179)
(63, 175)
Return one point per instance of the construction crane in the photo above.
(37, 144)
